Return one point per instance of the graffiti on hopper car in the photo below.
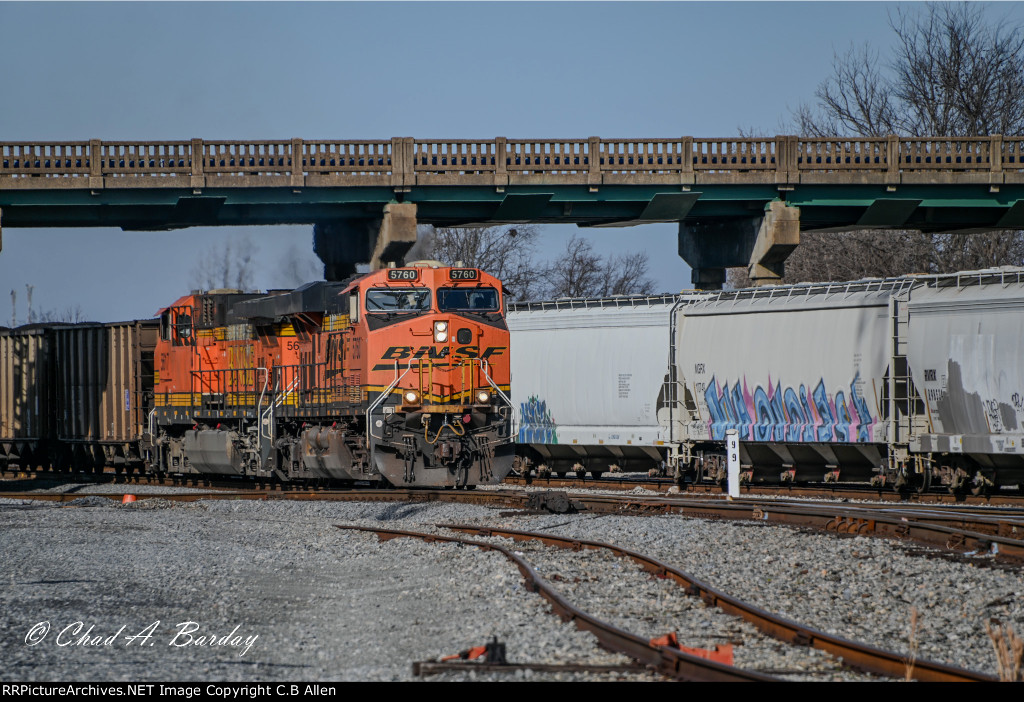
(536, 425)
(789, 414)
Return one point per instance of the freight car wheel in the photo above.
(923, 482)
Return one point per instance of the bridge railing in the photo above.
(349, 162)
(405, 162)
(443, 161)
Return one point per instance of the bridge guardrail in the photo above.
(404, 162)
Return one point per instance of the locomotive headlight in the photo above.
(440, 332)
(483, 397)
(411, 397)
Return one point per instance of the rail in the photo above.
(667, 661)
(859, 655)
(403, 162)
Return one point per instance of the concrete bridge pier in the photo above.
(761, 244)
(343, 244)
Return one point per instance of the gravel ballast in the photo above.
(326, 604)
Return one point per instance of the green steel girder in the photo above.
(1014, 217)
(928, 207)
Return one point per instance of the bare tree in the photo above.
(625, 274)
(507, 253)
(854, 255)
(230, 264)
(855, 100)
(299, 265)
(956, 252)
(580, 272)
(68, 314)
(952, 73)
(577, 273)
(28, 291)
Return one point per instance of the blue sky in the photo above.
(76, 71)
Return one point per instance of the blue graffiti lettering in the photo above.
(779, 412)
(824, 412)
(798, 420)
(809, 427)
(842, 418)
(763, 412)
(864, 425)
(785, 414)
(719, 421)
(537, 426)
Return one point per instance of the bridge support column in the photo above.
(712, 246)
(343, 244)
(777, 237)
(760, 244)
(396, 236)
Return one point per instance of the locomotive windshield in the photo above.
(475, 299)
(398, 300)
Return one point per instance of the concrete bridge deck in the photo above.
(719, 190)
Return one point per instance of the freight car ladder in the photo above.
(905, 409)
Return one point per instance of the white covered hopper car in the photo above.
(908, 381)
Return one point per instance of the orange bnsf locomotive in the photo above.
(400, 375)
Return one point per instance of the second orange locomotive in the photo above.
(399, 375)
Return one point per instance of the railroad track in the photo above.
(664, 659)
(659, 485)
(944, 524)
(964, 531)
(662, 654)
(820, 491)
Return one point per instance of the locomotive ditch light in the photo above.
(440, 332)
(483, 397)
(411, 397)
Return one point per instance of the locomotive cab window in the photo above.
(398, 300)
(472, 299)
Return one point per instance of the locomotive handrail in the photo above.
(279, 400)
(259, 403)
(381, 398)
(483, 367)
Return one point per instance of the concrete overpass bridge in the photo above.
(738, 202)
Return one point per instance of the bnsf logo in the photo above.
(395, 353)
